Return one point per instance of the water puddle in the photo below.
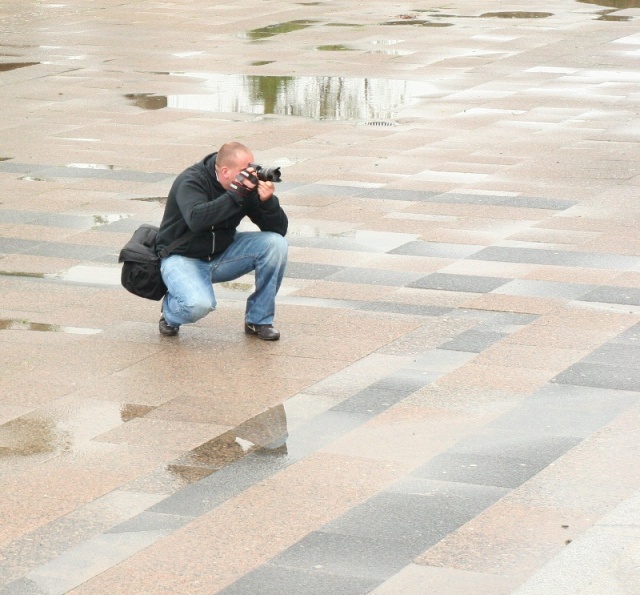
(100, 220)
(5, 158)
(613, 18)
(320, 98)
(93, 166)
(15, 65)
(159, 199)
(12, 324)
(237, 286)
(147, 101)
(91, 275)
(266, 432)
(617, 4)
(277, 29)
(335, 48)
(262, 62)
(417, 22)
(22, 274)
(516, 15)
(63, 426)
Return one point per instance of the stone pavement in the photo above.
(454, 405)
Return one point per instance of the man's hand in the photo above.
(245, 183)
(265, 190)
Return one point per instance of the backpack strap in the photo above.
(173, 245)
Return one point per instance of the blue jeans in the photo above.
(189, 281)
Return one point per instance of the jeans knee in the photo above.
(197, 309)
(277, 246)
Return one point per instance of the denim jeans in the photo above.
(189, 280)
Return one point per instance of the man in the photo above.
(207, 201)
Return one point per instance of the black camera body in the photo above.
(266, 174)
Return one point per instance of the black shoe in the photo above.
(166, 329)
(266, 332)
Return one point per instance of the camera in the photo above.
(267, 174)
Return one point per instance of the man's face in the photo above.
(228, 173)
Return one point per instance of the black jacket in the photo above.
(199, 203)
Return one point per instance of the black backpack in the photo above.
(141, 262)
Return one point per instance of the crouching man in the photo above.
(207, 201)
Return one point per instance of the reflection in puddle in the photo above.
(12, 324)
(418, 23)
(335, 48)
(160, 199)
(262, 62)
(15, 65)
(89, 274)
(64, 426)
(619, 4)
(148, 100)
(237, 285)
(321, 98)
(92, 166)
(516, 15)
(615, 18)
(277, 29)
(5, 158)
(22, 274)
(266, 433)
(100, 220)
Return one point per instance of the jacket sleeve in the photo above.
(268, 215)
(199, 212)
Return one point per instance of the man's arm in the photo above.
(199, 212)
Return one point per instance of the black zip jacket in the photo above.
(198, 202)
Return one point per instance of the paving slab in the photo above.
(453, 405)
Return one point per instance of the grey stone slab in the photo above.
(23, 586)
(625, 356)
(519, 255)
(125, 225)
(483, 469)
(409, 309)
(71, 172)
(375, 277)
(140, 176)
(16, 168)
(613, 262)
(203, 496)
(437, 250)
(582, 398)
(537, 417)
(12, 216)
(270, 579)
(505, 322)
(76, 251)
(395, 194)
(534, 202)
(629, 296)
(600, 375)
(302, 270)
(470, 199)
(468, 283)
(89, 559)
(544, 289)
(328, 190)
(473, 340)
(415, 520)
(629, 337)
(152, 521)
(17, 245)
(443, 360)
(66, 221)
(375, 558)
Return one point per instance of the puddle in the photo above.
(237, 286)
(22, 274)
(417, 23)
(12, 324)
(32, 179)
(100, 220)
(262, 62)
(277, 29)
(61, 427)
(89, 274)
(266, 432)
(15, 65)
(611, 17)
(5, 158)
(147, 100)
(335, 48)
(92, 166)
(160, 199)
(320, 98)
(618, 4)
(516, 15)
